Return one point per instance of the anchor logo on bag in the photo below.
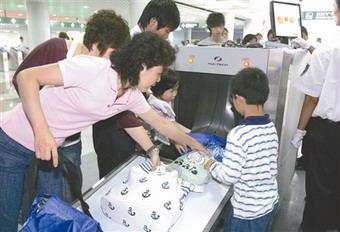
(106, 214)
(165, 185)
(125, 191)
(125, 223)
(154, 215)
(132, 213)
(146, 228)
(146, 193)
(144, 179)
(167, 205)
(111, 206)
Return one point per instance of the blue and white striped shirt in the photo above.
(250, 164)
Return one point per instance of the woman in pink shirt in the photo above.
(81, 91)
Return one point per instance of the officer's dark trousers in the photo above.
(321, 146)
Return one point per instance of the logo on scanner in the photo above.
(217, 58)
(217, 62)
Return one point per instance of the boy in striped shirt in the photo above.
(250, 158)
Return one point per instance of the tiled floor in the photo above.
(287, 219)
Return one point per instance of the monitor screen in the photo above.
(285, 19)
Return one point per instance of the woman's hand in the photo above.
(46, 147)
(199, 147)
(181, 148)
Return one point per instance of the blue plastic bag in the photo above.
(212, 142)
(50, 214)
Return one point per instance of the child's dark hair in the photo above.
(252, 84)
(168, 81)
(107, 29)
(145, 49)
(248, 38)
(164, 11)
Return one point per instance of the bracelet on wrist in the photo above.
(152, 149)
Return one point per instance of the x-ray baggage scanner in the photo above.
(203, 101)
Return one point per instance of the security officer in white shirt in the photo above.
(320, 116)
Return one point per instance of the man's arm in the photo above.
(141, 137)
(308, 107)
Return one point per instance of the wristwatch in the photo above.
(152, 150)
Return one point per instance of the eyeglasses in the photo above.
(231, 98)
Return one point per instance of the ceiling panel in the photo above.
(80, 10)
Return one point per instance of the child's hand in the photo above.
(208, 164)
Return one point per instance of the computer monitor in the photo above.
(285, 19)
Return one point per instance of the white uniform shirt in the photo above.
(135, 30)
(322, 80)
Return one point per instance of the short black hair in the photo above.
(252, 84)
(63, 35)
(215, 20)
(270, 32)
(145, 48)
(164, 11)
(168, 81)
(248, 38)
(107, 29)
(304, 30)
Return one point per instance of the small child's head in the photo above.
(249, 87)
(167, 88)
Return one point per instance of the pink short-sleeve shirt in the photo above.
(87, 96)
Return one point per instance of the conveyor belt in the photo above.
(213, 200)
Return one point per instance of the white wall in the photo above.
(325, 29)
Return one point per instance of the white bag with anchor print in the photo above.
(147, 201)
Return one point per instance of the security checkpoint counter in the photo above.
(201, 210)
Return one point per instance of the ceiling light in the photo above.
(66, 18)
(85, 7)
(13, 20)
(62, 24)
(72, 25)
(20, 6)
(20, 14)
(54, 15)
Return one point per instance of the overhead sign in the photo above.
(318, 15)
(189, 25)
